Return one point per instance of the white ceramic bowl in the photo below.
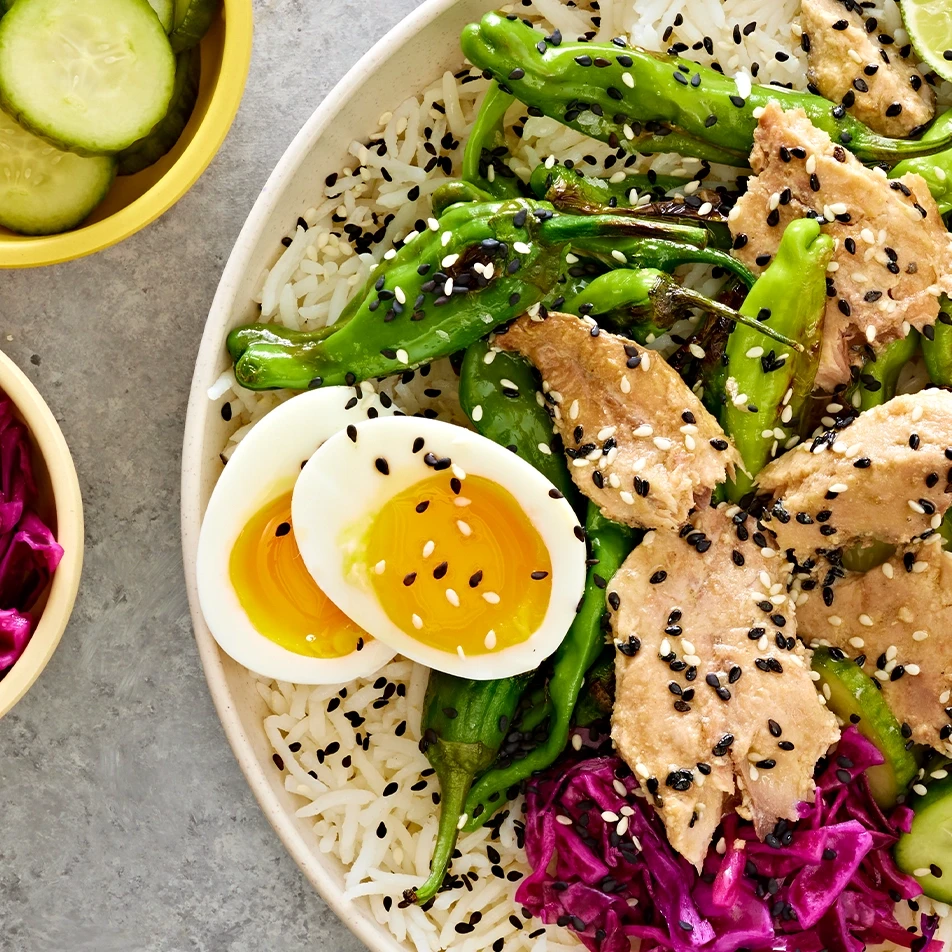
(412, 55)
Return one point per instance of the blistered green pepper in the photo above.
(486, 264)
(937, 347)
(880, 374)
(766, 387)
(483, 164)
(651, 102)
(572, 191)
(497, 391)
(638, 300)
(609, 545)
(464, 725)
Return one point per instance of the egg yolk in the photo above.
(278, 594)
(458, 566)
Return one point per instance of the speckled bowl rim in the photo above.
(49, 441)
(223, 314)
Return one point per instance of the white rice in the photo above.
(385, 842)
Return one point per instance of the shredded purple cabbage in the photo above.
(29, 554)
(831, 884)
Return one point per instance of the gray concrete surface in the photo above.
(125, 824)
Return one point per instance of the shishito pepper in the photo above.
(464, 724)
(880, 374)
(609, 544)
(645, 301)
(651, 102)
(486, 264)
(483, 164)
(935, 169)
(766, 387)
(465, 721)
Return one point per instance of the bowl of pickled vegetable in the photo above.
(110, 113)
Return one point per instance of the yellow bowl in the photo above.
(136, 200)
(61, 506)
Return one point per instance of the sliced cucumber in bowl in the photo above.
(164, 10)
(147, 151)
(855, 699)
(43, 190)
(91, 77)
(925, 852)
(191, 21)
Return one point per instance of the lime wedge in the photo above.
(929, 25)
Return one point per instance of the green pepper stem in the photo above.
(567, 228)
(454, 788)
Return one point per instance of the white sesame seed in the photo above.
(810, 165)
(446, 238)
(459, 472)
(628, 80)
(580, 462)
(739, 399)
(697, 350)
(627, 498)
(915, 507)
(692, 659)
(464, 528)
(576, 741)
(609, 817)
(866, 621)
(774, 201)
(887, 570)
(619, 256)
(452, 598)
(520, 247)
(645, 362)
(944, 697)
(705, 209)
(390, 255)
(573, 410)
(462, 501)
(871, 333)
(564, 820)
(762, 643)
(646, 429)
(448, 287)
(835, 621)
(755, 353)
(432, 224)
(691, 187)
(449, 261)
(920, 635)
(625, 385)
(777, 599)
(614, 481)
(919, 567)
(477, 414)
(381, 567)
(642, 770)
(490, 640)
(491, 597)
(428, 549)
(939, 774)
(916, 413)
(489, 357)
(881, 675)
(754, 773)
(417, 621)
(839, 488)
(912, 669)
(767, 552)
(921, 790)
(622, 828)
(662, 442)
(891, 653)
(922, 870)
(403, 356)
(460, 652)
(545, 449)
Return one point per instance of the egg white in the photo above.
(340, 491)
(265, 465)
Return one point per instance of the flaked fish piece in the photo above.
(714, 703)
(640, 443)
(893, 255)
(886, 476)
(849, 65)
(898, 616)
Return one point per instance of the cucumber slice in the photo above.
(856, 700)
(89, 77)
(140, 155)
(929, 843)
(164, 10)
(44, 191)
(191, 23)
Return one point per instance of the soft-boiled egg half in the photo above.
(442, 544)
(260, 602)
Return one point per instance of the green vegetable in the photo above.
(191, 22)
(790, 296)
(663, 255)
(610, 544)
(927, 846)
(483, 164)
(162, 139)
(862, 558)
(464, 725)
(512, 417)
(937, 348)
(524, 242)
(164, 10)
(636, 301)
(935, 169)
(880, 374)
(44, 191)
(63, 74)
(597, 698)
(667, 103)
(854, 698)
(573, 191)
